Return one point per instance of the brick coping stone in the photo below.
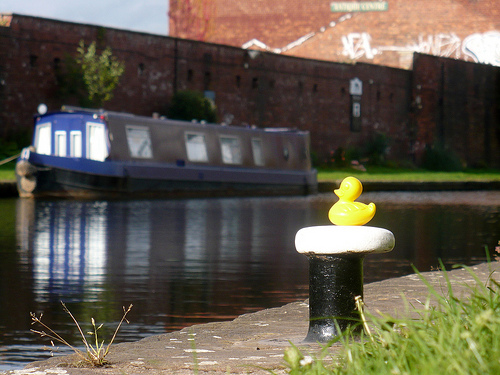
(252, 343)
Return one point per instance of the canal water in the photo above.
(182, 262)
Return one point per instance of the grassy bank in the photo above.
(7, 172)
(402, 175)
(451, 336)
(372, 174)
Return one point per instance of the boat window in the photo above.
(286, 153)
(42, 139)
(75, 144)
(231, 150)
(96, 141)
(196, 147)
(139, 142)
(258, 156)
(60, 143)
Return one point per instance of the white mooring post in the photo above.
(336, 254)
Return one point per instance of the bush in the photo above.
(376, 149)
(192, 105)
(440, 158)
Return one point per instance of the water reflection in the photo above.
(188, 261)
(69, 248)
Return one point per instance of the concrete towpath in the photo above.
(252, 343)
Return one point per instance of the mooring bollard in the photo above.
(336, 254)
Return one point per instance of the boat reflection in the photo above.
(66, 246)
(82, 249)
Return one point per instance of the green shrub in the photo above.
(376, 149)
(440, 158)
(192, 105)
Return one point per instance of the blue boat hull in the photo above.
(51, 176)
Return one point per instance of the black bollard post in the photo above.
(334, 283)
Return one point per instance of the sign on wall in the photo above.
(356, 90)
(359, 6)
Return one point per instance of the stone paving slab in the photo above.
(253, 343)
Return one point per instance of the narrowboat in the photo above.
(94, 154)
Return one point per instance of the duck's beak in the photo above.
(339, 192)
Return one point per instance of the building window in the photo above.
(238, 81)
(140, 69)
(43, 143)
(207, 80)
(33, 60)
(60, 143)
(190, 75)
(57, 64)
(139, 142)
(255, 82)
(258, 156)
(196, 147)
(75, 144)
(231, 150)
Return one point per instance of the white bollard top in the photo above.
(336, 239)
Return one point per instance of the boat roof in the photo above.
(114, 114)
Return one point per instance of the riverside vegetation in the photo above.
(452, 336)
(95, 353)
(371, 174)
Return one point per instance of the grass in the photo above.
(451, 336)
(7, 175)
(96, 352)
(372, 174)
(401, 175)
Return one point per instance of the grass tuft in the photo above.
(451, 336)
(96, 352)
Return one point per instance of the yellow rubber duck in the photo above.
(346, 211)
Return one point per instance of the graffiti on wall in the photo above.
(483, 48)
(480, 47)
(358, 45)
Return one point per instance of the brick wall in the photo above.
(459, 108)
(463, 29)
(255, 88)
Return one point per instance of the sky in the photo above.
(148, 16)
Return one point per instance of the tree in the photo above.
(101, 73)
(192, 105)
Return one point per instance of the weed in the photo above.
(95, 353)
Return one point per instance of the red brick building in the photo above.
(379, 32)
(343, 105)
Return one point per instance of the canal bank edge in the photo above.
(255, 343)
(8, 189)
(329, 186)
